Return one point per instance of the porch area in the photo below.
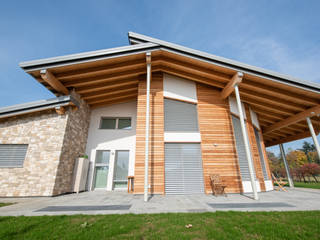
(116, 202)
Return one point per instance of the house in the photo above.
(205, 115)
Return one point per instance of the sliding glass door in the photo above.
(101, 168)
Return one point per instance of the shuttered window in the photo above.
(12, 155)
(262, 160)
(180, 116)
(242, 158)
(183, 168)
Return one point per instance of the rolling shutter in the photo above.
(241, 151)
(180, 116)
(262, 160)
(12, 155)
(183, 168)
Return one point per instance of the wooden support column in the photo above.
(48, 77)
(236, 79)
(286, 165)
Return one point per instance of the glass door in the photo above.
(101, 168)
(120, 179)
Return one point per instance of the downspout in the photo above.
(246, 143)
(146, 164)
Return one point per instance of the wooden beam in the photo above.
(110, 92)
(293, 119)
(100, 70)
(111, 102)
(60, 110)
(200, 71)
(48, 77)
(289, 139)
(192, 77)
(105, 78)
(279, 93)
(236, 79)
(115, 84)
(113, 96)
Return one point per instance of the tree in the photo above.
(274, 163)
(296, 158)
(306, 148)
(311, 169)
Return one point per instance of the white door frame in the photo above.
(111, 167)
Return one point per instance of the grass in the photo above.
(2, 204)
(218, 225)
(307, 185)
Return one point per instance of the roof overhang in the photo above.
(111, 76)
(25, 108)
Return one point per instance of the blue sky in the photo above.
(281, 35)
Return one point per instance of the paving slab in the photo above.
(102, 202)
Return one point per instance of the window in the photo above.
(180, 116)
(12, 155)
(121, 169)
(262, 161)
(241, 151)
(115, 123)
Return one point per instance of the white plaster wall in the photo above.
(247, 188)
(269, 185)
(254, 119)
(182, 137)
(107, 139)
(234, 107)
(179, 88)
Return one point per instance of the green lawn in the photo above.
(307, 185)
(2, 204)
(219, 225)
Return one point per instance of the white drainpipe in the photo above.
(146, 163)
(246, 143)
(314, 136)
(286, 165)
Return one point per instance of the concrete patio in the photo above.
(101, 202)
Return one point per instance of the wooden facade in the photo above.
(219, 154)
(156, 141)
(217, 142)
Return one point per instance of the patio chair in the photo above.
(280, 182)
(218, 187)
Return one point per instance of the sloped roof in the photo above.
(112, 76)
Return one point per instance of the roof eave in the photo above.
(224, 62)
(34, 65)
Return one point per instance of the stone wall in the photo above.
(44, 134)
(54, 142)
(74, 145)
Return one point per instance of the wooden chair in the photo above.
(218, 187)
(280, 182)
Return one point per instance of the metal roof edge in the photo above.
(223, 61)
(35, 106)
(83, 57)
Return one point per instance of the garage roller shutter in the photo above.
(183, 168)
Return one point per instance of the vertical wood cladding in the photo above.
(254, 150)
(217, 141)
(156, 141)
